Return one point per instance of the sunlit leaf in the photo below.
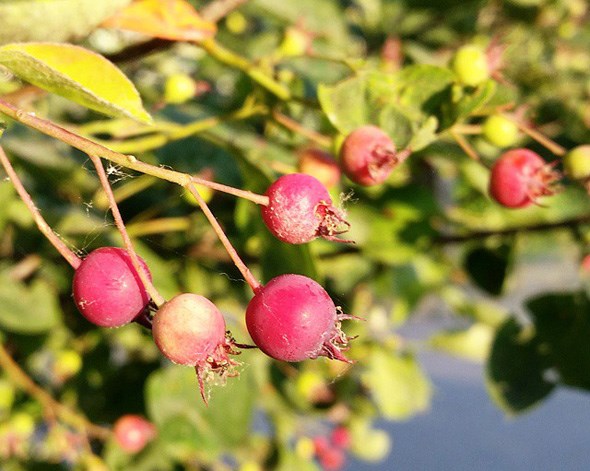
(168, 19)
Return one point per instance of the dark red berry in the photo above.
(519, 177)
(107, 288)
(133, 432)
(292, 318)
(300, 209)
(368, 156)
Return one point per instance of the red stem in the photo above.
(45, 228)
(239, 263)
(145, 279)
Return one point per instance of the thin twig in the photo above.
(44, 228)
(143, 275)
(238, 262)
(51, 406)
(294, 126)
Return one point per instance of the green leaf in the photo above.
(469, 102)
(515, 373)
(174, 402)
(398, 385)
(563, 325)
(487, 267)
(27, 309)
(53, 20)
(76, 73)
(472, 344)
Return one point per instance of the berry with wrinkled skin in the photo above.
(132, 432)
(300, 209)
(321, 165)
(519, 177)
(577, 162)
(107, 289)
(368, 156)
(292, 318)
(189, 330)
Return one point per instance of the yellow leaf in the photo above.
(167, 19)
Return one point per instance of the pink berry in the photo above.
(340, 437)
(133, 432)
(300, 209)
(292, 318)
(519, 177)
(107, 289)
(190, 330)
(321, 165)
(332, 459)
(368, 156)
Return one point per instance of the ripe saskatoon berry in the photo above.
(190, 330)
(519, 177)
(471, 66)
(368, 156)
(321, 165)
(107, 288)
(577, 162)
(133, 432)
(292, 318)
(300, 209)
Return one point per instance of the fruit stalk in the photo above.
(145, 279)
(45, 229)
(238, 262)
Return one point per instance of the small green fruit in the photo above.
(577, 162)
(179, 88)
(500, 131)
(6, 395)
(470, 64)
(67, 364)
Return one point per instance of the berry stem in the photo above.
(239, 263)
(44, 228)
(128, 161)
(50, 405)
(225, 56)
(549, 144)
(248, 195)
(294, 126)
(464, 144)
(145, 279)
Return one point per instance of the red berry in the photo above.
(321, 165)
(133, 432)
(292, 318)
(368, 156)
(332, 459)
(190, 330)
(340, 437)
(300, 209)
(519, 177)
(107, 289)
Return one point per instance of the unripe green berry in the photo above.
(470, 64)
(67, 364)
(500, 131)
(179, 88)
(577, 162)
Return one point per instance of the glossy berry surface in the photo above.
(188, 328)
(368, 156)
(132, 432)
(519, 177)
(107, 288)
(500, 131)
(300, 209)
(576, 162)
(470, 65)
(321, 165)
(292, 318)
